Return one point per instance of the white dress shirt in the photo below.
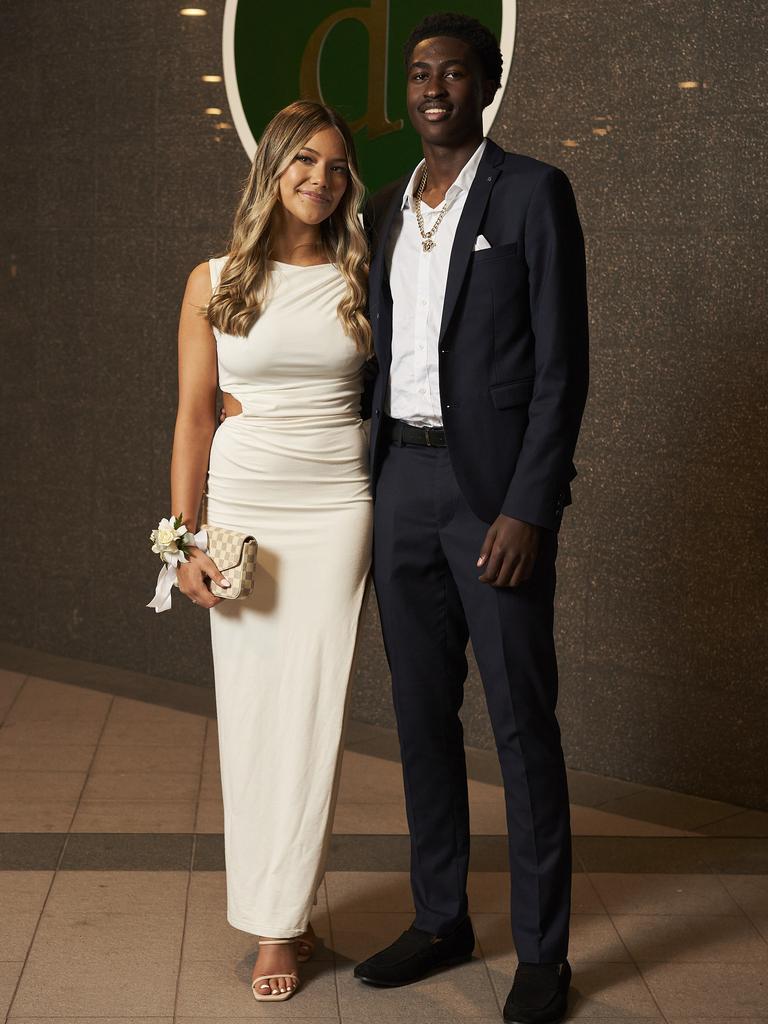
(417, 280)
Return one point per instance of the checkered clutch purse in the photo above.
(235, 556)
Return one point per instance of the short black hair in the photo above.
(460, 26)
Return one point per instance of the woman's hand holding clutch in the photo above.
(192, 575)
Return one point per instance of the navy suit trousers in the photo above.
(426, 544)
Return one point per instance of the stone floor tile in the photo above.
(31, 851)
(208, 852)
(58, 731)
(485, 792)
(260, 1014)
(736, 855)
(22, 895)
(359, 892)
(749, 891)
(146, 757)
(107, 987)
(370, 819)
(127, 851)
(95, 1020)
(10, 684)
(37, 815)
(10, 681)
(488, 892)
(592, 821)
(40, 786)
(133, 816)
(222, 989)
(9, 976)
(210, 786)
(678, 854)
(131, 722)
(369, 780)
(209, 817)
(691, 939)
(584, 897)
(90, 914)
(662, 894)
(745, 823)
(665, 807)
(211, 743)
(488, 818)
(708, 990)
(142, 786)
(590, 790)
(48, 757)
(43, 700)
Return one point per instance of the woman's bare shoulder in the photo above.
(199, 283)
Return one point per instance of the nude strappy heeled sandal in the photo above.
(310, 945)
(274, 997)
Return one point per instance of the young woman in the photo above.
(283, 329)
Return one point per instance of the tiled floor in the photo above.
(112, 890)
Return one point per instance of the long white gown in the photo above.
(292, 469)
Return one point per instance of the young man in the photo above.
(478, 301)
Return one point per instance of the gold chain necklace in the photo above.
(427, 243)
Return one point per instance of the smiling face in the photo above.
(447, 91)
(312, 185)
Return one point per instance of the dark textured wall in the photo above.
(115, 184)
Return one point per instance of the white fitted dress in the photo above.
(292, 469)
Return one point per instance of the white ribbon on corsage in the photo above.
(167, 577)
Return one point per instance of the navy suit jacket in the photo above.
(513, 342)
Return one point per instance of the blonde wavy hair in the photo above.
(237, 302)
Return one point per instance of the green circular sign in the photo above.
(349, 56)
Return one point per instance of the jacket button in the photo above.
(447, 405)
(378, 412)
(377, 316)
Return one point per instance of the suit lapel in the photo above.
(381, 234)
(488, 171)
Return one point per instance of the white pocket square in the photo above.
(481, 242)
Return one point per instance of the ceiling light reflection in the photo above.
(211, 78)
(193, 12)
(213, 110)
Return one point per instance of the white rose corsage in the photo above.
(171, 541)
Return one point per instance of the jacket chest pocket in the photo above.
(480, 257)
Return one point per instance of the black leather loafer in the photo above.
(539, 994)
(415, 955)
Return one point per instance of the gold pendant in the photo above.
(427, 244)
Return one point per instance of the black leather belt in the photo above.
(399, 432)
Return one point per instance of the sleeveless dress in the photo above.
(292, 469)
